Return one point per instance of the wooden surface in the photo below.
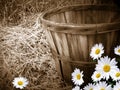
(72, 31)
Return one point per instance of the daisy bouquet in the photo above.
(106, 75)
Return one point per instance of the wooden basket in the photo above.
(72, 31)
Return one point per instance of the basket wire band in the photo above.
(68, 59)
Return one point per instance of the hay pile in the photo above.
(25, 52)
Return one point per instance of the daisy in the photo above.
(77, 77)
(76, 88)
(106, 66)
(116, 75)
(102, 86)
(20, 82)
(89, 87)
(97, 76)
(117, 86)
(117, 50)
(97, 51)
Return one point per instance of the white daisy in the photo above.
(97, 76)
(20, 82)
(89, 87)
(116, 75)
(106, 66)
(76, 88)
(117, 50)
(77, 77)
(102, 86)
(117, 86)
(97, 51)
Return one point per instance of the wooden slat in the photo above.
(73, 44)
(91, 43)
(102, 38)
(87, 17)
(84, 46)
(63, 50)
(55, 18)
(79, 17)
(66, 66)
(62, 18)
(109, 44)
(70, 17)
(79, 48)
(53, 47)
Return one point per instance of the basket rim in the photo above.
(82, 26)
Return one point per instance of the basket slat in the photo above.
(78, 17)
(72, 40)
(63, 49)
(109, 44)
(84, 46)
(54, 50)
(91, 42)
(70, 17)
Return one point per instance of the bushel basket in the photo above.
(72, 31)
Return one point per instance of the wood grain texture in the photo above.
(73, 30)
(54, 50)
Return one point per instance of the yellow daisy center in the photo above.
(102, 89)
(78, 76)
(117, 74)
(20, 82)
(98, 75)
(118, 50)
(91, 88)
(106, 68)
(97, 51)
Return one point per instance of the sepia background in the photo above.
(24, 50)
